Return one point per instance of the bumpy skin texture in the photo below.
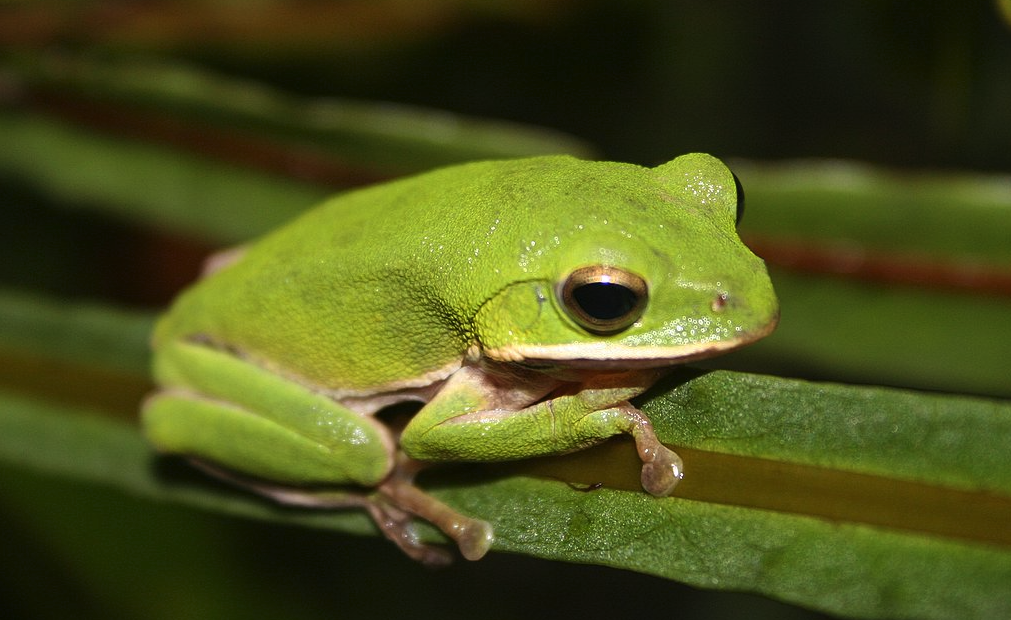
(444, 288)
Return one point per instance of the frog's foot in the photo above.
(662, 468)
(472, 536)
(398, 526)
(392, 509)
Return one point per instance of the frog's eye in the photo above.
(740, 200)
(603, 300)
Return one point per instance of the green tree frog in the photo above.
(524, 302)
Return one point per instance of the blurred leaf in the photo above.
(146, 182)
(85, 334)
(865, 209)
(884, 277)
(860, 332)
(79, 353)
(259, 28)
(1004, 6)
(112, 555)
(381, 139)
(181, 147)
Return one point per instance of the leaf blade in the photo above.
(846, 568)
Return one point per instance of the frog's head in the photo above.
(660, 278)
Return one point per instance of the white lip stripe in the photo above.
(608, 353)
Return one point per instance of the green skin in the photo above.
(446, 288)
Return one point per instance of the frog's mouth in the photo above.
(609, 355)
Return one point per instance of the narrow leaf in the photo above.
(147, 182)
(226, 157)
(85, 334)
(884, 277)
(543, 508)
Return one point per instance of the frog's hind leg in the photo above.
(285, 441)
(393, 509)
(472, 536)
(220, 407)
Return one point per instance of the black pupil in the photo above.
(605, 301)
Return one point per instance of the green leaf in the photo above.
(384, 138)
(224, 158)
(1004, 6)
(883, 277)
(85, 334)
(846, 569)
(85, 354)
(868, 208)
(149, 183)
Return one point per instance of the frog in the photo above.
(520, 305)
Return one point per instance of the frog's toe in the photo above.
(662, 474)
(426, 554)
(474, 538)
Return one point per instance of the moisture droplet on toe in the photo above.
(474, 538)
(662, 474)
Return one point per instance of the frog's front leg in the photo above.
(479, 416)
(285, 441)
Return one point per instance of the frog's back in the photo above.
(380, 286)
